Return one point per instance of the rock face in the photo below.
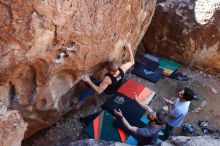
(91, 142)
(47, 45)
(187, 31)
(193, 141)
(177, 141)
(12, 127)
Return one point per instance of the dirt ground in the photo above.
(206, 108)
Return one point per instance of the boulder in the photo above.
(47, 45)
(12, 127)
(91, 142)
(193, 141)
(186, 31)
(176, 141)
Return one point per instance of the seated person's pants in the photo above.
(89, 91)
(167, 132)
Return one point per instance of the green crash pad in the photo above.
(168, 64)
(102, 129)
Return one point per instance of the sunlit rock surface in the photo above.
(12, 127)
(193, 141)
(92, 142)
(205, 9)
(46, 45)
(176, 141)
(187, 31)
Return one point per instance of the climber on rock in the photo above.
(111, 81)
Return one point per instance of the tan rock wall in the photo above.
(186, 31)
(12, 127)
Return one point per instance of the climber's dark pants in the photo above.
(88, 91)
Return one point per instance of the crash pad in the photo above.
(131, 110)
(149, 64)
(152, 57)
(131, 140)
(129, 87)
(153, 76)
(144, 94)
(102, 129)
(145, 120)
(169, 66)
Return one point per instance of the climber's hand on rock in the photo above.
(127, 45)
(86, 79)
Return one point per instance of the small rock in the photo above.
(204, 103)
(165, 108)
(214, 91)
(197, 110)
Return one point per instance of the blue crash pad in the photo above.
(141, 71)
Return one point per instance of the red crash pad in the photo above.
(129, 87)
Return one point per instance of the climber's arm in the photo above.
(103, 85)
(131, 61)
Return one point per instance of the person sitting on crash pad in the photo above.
(111, 81)
(148, 134)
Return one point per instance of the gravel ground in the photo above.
(206, 108)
